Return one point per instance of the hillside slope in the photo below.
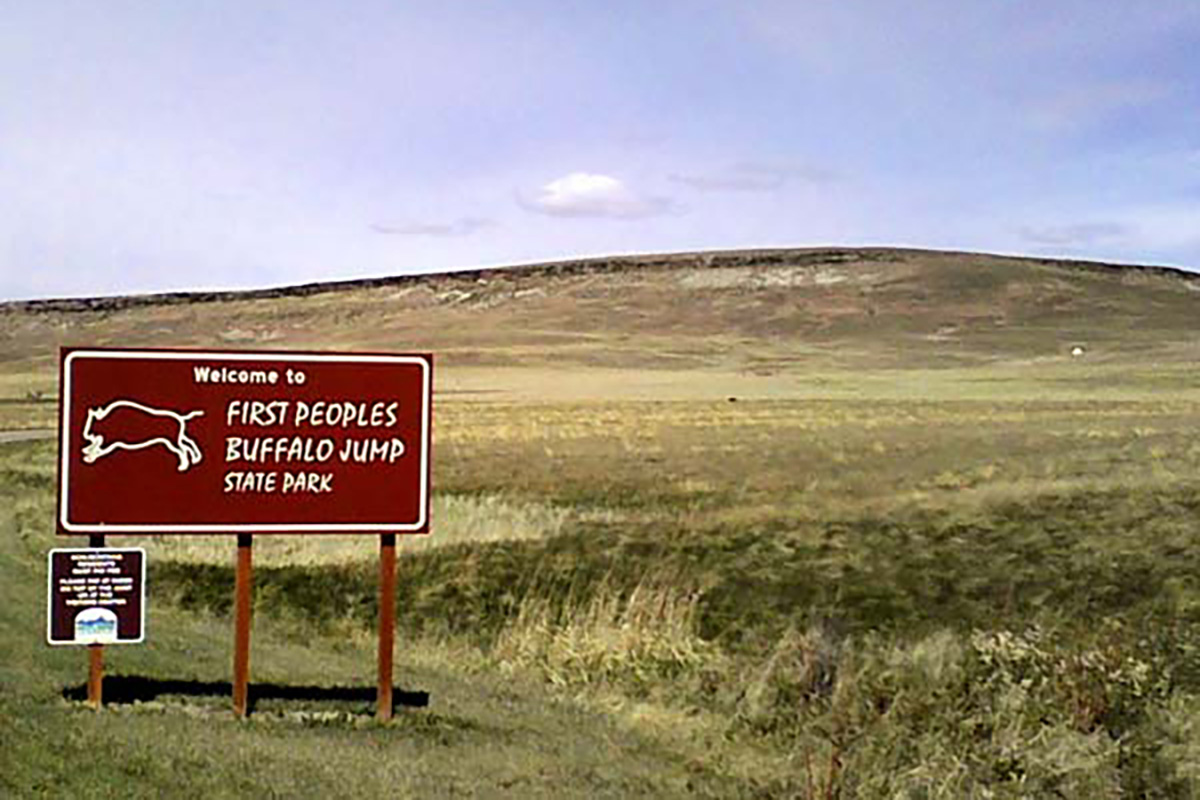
(752, 314)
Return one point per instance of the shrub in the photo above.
(635, 640)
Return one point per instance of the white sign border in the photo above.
(50, 595)
(261, 355)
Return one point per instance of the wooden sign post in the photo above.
(387, 624)
(227, 441)
(242, 592)
(95, 686)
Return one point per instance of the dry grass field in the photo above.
(778, 523)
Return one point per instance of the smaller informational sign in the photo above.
(97, 596)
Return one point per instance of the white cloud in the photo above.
(586, 194)
(1087, 103)
(1167, 233)
(754, 177)
(463, 226)
(1168, 226)
(1080, 234)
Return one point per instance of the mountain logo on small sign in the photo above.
(96, 626)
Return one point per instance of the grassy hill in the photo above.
(927, 551)
(752, 314)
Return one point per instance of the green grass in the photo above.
(483, 732)
(872, 598)
(925, 553)
(460, 519)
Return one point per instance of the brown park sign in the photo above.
(207, 441)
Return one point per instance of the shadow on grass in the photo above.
(129, 689)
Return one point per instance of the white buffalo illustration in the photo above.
(169, 429)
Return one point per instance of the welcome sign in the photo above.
(210, 441)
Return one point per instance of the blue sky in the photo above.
(166, 146)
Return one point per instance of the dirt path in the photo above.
(25, 436)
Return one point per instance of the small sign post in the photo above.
(95, 689)
(221, 441)
(97, 596)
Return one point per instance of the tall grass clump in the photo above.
(635, 640)
(455, 520)
(997, 713)
(1179, 721)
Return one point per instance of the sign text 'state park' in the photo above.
(191, 441)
